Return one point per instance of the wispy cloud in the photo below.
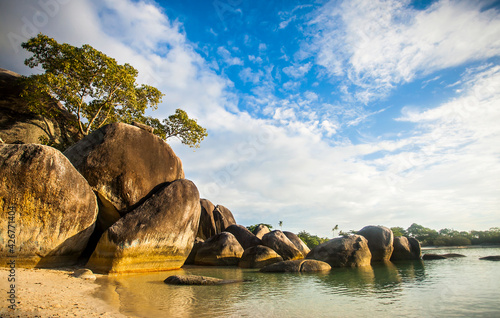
(380, 44)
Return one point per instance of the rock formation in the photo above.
(243, 235)
(207, 227)
(278, 242)
(346, 251)
(51, 206)
(157, 235)
(222, 218)
(406, 249)
(220, 250)
(258, 256)
(299, 244)
(380, 241)
(261, 230)
(296, 266)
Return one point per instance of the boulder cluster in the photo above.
(118, 201)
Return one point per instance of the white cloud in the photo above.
(227, 58)
(379, 44)
(297, 70)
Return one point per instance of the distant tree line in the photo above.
(449, 237)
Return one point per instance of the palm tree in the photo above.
(335, 228)
(280, 223)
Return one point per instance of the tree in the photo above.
(311, 240)
(97, 90)
(251, 228)
(280, 223)
(399, 231)
(335, 228)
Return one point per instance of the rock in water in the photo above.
(157, 235)
(261, 230)
(299, 244)
(380, 241)
(207, 227)
(124, 164)
(430, 256)
(243, 235)
(297, 266)
(220, 250)
(406, 249)
(278, 242)
(491, 258)
(258, 256)
(53, 208)
(198, 280)
(346, 251)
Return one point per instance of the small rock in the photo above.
(84, 273)
(490, 258)
(453, 255)
(429, 257)
(296, 266)
(197, 280)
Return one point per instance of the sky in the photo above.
(319, 113)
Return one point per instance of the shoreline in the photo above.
(41, 292)
(458, 247)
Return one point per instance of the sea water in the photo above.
(458, 287)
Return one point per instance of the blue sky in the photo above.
(318, 112)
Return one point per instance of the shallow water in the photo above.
(459, 287)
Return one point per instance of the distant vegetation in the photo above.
(311, 240)
(251, 228)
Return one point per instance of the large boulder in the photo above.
(222, 218)
(46, 203)
(198, 242)
(207, 227)
(297, 266)
(243, 235)
(220, 250)
(21, 125)
(261, 230)
(299, 244)
(380, 241)
(258, 256)
(406, 249)
(124, 164)
(278, 242)
(157, 235)
(344, 251)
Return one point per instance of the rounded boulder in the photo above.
(46, 205)
(278, 242)
(243, 235)
(297, 266)
(380, 241)
(345, 251)
(220, 250)
(406, 249)
(258, 256)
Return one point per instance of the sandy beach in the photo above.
(51, 293)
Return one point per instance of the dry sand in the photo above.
(52, 293)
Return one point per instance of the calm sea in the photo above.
(461, 287)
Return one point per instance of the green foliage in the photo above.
(179, 125)
(252, 228)
(97, 90)
(399, 231)
(450, 237)
(311, 240)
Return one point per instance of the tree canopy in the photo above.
(97, 90)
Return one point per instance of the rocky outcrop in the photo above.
(124, 164)
(299, 244)
(207, 227)
(406, 249)
(20, 125)
(243, 235)
(220, 250)
(258, 256)
(48, 203)
(198, 280)
(346, 251)
(158, 235)
(278, 242)
(198, 242)
(261, 230)
(430, 256)
(223, 218)
(297, 266)
(380, 241)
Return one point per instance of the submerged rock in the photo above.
(296, 266)
(243, 235)
(453, 255)
(430, 256)
(158, 235)
(220, 250)
(380, 241)
(491, 258)
(346, 251)
(198, 280)
(48, 204)
(258, 256)
(278, 242)
(406, 249)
